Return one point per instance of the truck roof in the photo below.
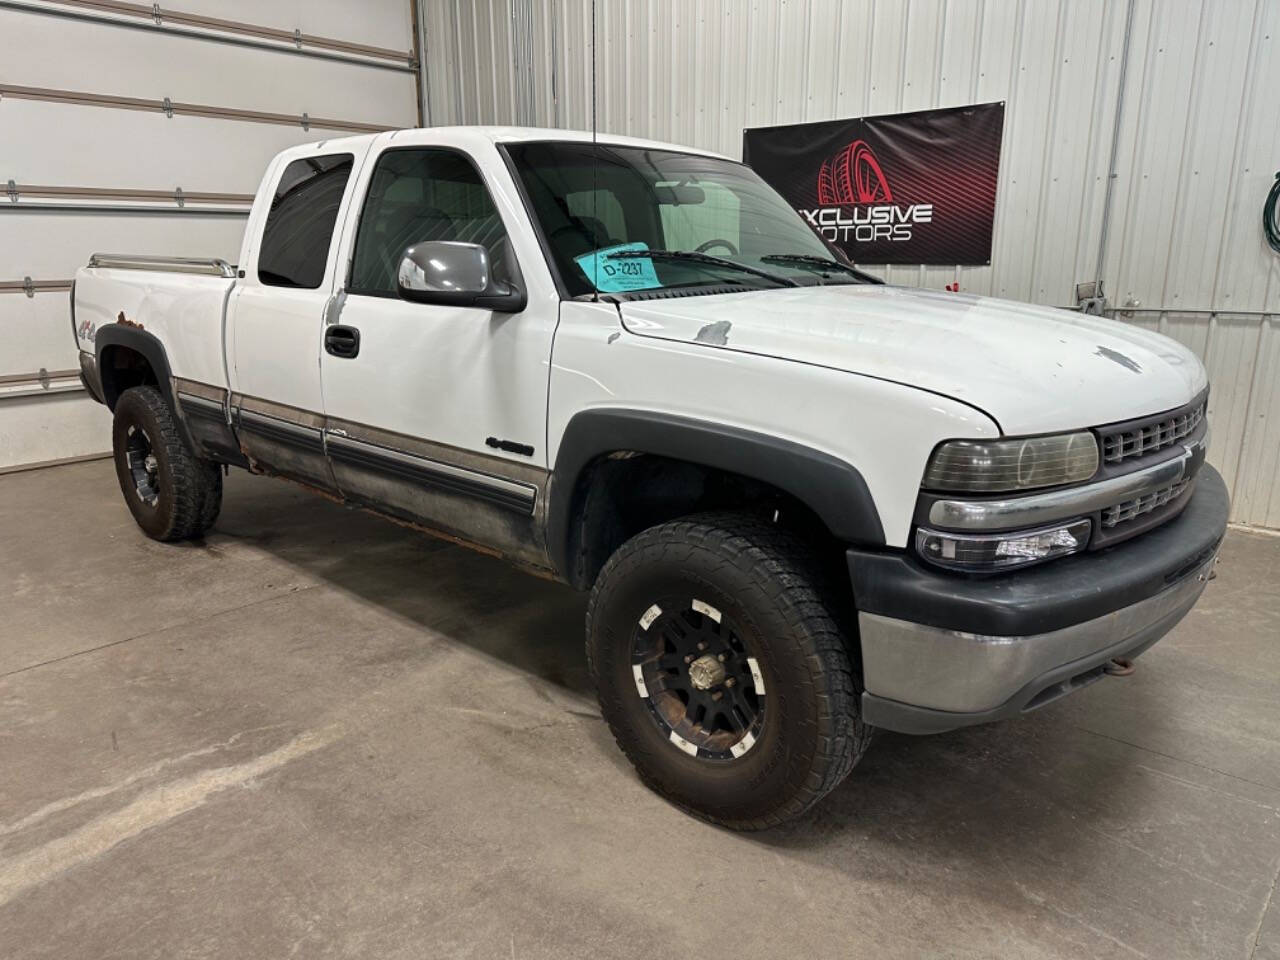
(461, 134)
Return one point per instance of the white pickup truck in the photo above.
(806, 504)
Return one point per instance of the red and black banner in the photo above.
(908, 188)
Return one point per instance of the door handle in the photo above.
(342, 341)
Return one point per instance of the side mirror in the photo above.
(455, 274)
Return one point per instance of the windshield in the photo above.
(601, 209)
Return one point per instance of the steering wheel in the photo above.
(704, 247)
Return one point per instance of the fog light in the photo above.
(1001, 551)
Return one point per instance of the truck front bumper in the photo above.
(941, 651)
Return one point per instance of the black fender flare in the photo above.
(152, 350)
(141, 342)
(830, 487)
(221, 445)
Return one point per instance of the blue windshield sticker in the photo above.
(620, 275)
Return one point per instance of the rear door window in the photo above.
(295, 241)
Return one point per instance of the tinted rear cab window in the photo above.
(295, 241)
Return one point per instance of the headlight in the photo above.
(984, 466)
(1000, 551)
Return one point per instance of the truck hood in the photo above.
(1032, 369)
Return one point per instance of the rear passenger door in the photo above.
(440, 417)
(276, 319)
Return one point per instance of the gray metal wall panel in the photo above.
(1198, 146)
(1257, 490)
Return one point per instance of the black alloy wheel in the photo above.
(143, 465)
(723, 670)
(703, 686)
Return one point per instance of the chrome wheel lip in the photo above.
(716, 721)
(143, 465)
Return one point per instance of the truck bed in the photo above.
(181, 301)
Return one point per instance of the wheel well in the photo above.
(120, 368)
(622, 493)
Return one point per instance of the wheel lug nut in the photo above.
(717, 695)
(701, 645)
(723, 657)
(730, 682)
(689, 658)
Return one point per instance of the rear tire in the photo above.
(172, 493)
(679, 598)
(211, 504)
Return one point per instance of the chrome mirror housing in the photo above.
(449, 273)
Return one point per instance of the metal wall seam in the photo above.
(30, 287)
(459, 72)
(124, 200)
(40, 388)
(156, 19)
(170, 108)
(89, 206)
(17, 190)
(10, 378)
(419, 71)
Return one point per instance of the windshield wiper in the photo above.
(691, 256)
(808, 260)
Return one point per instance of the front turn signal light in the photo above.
(988, 552)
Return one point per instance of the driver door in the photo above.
(439, 414)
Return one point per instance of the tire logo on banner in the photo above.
(910, 188)
(853, 176)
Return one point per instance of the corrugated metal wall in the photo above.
(1199, 139)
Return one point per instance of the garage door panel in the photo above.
(51, 246)
(132, 63)
(51, 143)
(61, 426)
(38, 333)
(90, 146)
(378, 23)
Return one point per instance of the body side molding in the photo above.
(832, 488)
(205, 409)
(499, 491)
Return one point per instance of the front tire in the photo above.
(722, 672)
(172, 493)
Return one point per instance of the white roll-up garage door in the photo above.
(133, 128)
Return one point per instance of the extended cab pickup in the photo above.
(806, 504)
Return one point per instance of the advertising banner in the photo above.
(907, 188)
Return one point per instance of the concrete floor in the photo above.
(317, 733)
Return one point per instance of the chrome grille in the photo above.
(1130, 509)
(1135, 442)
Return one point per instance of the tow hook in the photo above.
(1123, 666)
(1119, 667)
(1210, 572)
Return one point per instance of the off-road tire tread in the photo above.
(211, 497)
(781, 569)
(196, 487)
